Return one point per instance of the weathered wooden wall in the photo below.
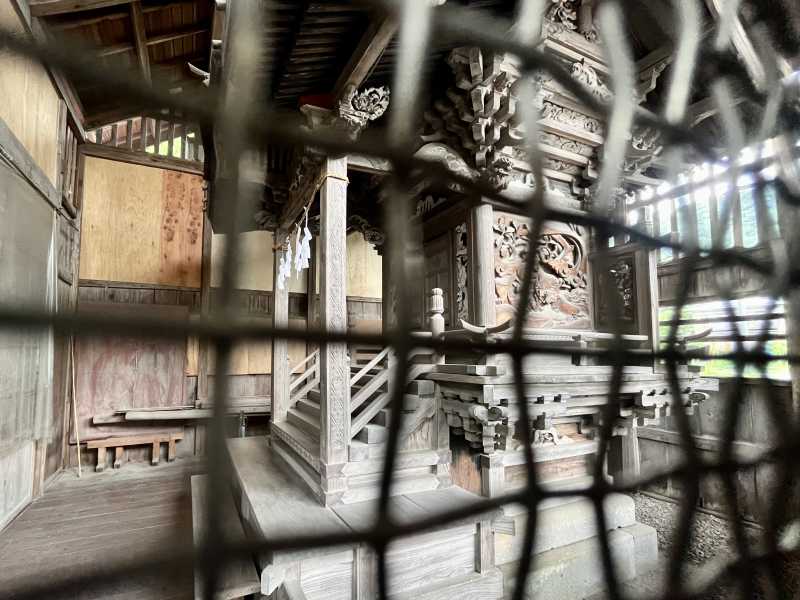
(141, 224)
(26, 279)
(30, 117)
(30, 103)
(660, 447)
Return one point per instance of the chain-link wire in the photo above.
(239, 113)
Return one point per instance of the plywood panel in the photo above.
(116, 372)
(181, 229)
(141, 224)
(30, 103)
(254, 264)
(364, 268)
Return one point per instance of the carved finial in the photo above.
(436, 305)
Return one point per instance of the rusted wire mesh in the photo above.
(242, 119)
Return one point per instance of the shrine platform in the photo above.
(454, 560)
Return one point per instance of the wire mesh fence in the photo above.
(241, 117)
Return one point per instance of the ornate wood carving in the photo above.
(560, 296)
(462, 268)
(372, 234)
(476, 115)
(620, 280)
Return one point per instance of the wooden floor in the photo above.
(86, 526)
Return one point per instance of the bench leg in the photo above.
(118, 455)
(101, 459)
(171, 450)
(156, 453)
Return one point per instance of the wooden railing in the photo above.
(167, 137)
(305, 381)
(357, 398)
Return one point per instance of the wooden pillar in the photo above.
(335, 363)
(311, 287)
(204, 344)
(387, 291)
(280, 347)
(481, 244)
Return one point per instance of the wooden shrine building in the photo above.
(143, 203)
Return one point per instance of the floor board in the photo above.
(85, 527)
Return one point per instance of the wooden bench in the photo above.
(146, 439)
(237, 578)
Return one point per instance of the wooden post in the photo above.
(311, 288)
(481, 263)
(387, 292)
(280, 346)
(335, 372)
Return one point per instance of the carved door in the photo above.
(439, 273)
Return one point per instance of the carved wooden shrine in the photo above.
(330, 412)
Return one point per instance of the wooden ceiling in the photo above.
(314, 48)
(154, 38)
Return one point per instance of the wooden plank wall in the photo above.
(30, 103)
(68, 245)
(660, 447)
(703, 284)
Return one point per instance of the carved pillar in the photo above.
(335, 374)
(280, 347)
(481, 244)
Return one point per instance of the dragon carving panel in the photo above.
(560, 297)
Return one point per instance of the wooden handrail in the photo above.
(305, 360)
(375, 383)
(370, 365)
(303, 376)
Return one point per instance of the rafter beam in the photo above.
(140, 39)
(373, 43)
(48, 8)
(153, 41)
(367, 54)
(744, 47)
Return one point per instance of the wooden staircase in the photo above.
(297, 439)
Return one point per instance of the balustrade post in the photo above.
(436, 320)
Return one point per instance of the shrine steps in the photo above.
(419, 466)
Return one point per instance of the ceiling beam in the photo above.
(47, 8)
(373, 43)
(153, 41)
(140, 39)
(75, 23)
(744, 47)
(367, 54)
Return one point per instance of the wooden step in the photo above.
(314, 396)
(309, 407)
(373, 434)
(304, 422)
(299, 441)
(383, 417)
